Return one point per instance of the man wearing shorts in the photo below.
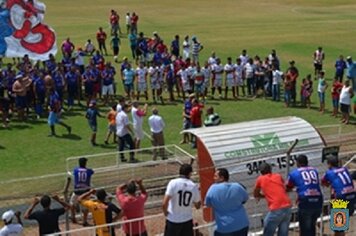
(108, 82)
(129, 75)
(141, 77)
(217, 70)
(91, 115)
(229, 77)
(82, 178)
(137, 121)
(319, 57)
(20, 88)
(181, 194)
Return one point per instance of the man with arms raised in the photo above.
(181, 194)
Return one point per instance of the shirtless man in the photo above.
(20, 88)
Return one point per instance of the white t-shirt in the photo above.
(206, 73)
(249, 70)
(238, 71)
(121, 122)
(244, 59)
(276, 76)
(136, 119)
(11, 230)
(153, 74)
(183, 193)
(345, 97)
(229, 70)
(218, 70)
(141, 75)
(128, 20)
(183, 73)
(186, 47)
(212, 60)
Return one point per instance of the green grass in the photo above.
(294, 28)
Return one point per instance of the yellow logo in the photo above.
(339, 204)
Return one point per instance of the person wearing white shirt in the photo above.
(157, 125)
(181, 194)
(229, 77)
(12, 229)
(186, 48)
(128, 22)
(141, 78)
(137, 121)
(217, 70)
(123, 131)
(277, 77)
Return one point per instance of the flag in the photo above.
(25, 31)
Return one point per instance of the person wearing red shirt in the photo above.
(134, 20)
(195, 118)
(114, 22)
(335, 94)
(132, 205)
(101, 38)
(271, 187)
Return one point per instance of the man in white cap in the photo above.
(11, 228)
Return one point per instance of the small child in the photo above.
(112, 125)
(335, 94)
(322, 86)
(91, 115)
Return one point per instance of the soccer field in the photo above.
(294, 28)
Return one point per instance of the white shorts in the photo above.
(141, 87)
(155, 85)
(217, 83)
(186, 87)
(239, 82)
(138, 131)
(230, 83)
(107, 89)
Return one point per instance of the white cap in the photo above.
(348, 58)
(8, 215)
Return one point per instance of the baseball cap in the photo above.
(348, 58)
(8, 216)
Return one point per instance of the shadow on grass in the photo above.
(15, 126)
(70, 136)
(2, 147)
(104, 146)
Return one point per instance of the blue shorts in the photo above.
(53, 118)
(321, 97)
(21, 101)
(129, 87)
(335, 103)
(93, 127)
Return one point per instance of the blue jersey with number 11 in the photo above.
(306, 180)
(341, 182)
(82, 177)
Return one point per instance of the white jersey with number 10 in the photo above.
(183, 193)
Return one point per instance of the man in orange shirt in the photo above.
(195, 118)
(111, 116)
(101, 38)
(271, 186)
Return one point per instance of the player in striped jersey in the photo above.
(141, 78)
(181, 194)
(239, 77)
(217, 70)
(229, 77)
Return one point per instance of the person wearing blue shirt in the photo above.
(39, 91)
(55, 113)
(310, 199)
(340, 181)
(175, 46)
(73, 82)
(340, 66)
(59, 82)
(91, 115)
(82, 183)
(133, 44)
(227, 200)
(129, 75)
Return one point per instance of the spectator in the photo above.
(91, 115)
(293, 74)
(186, 47)
(212, 118)
(129, 77)
(101, 210)
(137, 121)
(227, 201)
(115, 46)
(73, 81)
(108, 83)
(279, 204)
(345, 101)
(101, 38)
(11, 228)
(277, 78)
(319, 57)
(335, 95)
(341, 183)
(217, 70)
(123, 131)
(20, 87)
(310, 199)
(112, 125)
(249, 72)
(175, 46)
(114, 22)
(47, 218)
(229, 77)
(133, 205)
(308, 88)
(181, 194)
(55, 113)
(340, 66)
(128, 22)
(89, 47)
(67, 47)
(141, 78)
(82, 181)
(244, 57)
(322, 86)
(196, 48)
(287, 84)
(157, 125)
(134, 20)
(133, 45)
(195, 118)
